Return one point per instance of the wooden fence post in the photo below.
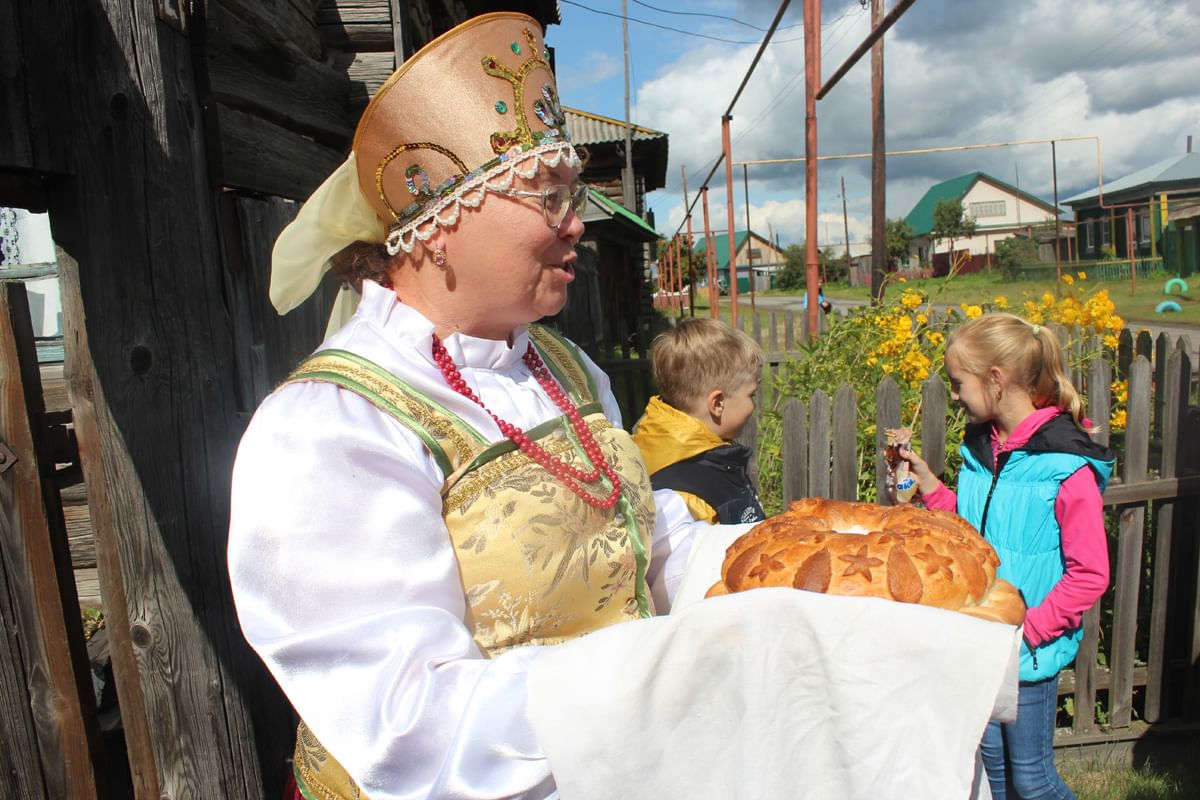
(1172, 399)
(933, 424)
(818, 445)
(772, 337)
(1099, 402)
(789, 331)
(795, 451)
(1129, 547)
(844, 485)
(887, 415)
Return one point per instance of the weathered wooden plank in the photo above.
(139, 219)
(1157, 489)
(795, 451)
(263, 157)
(756, 327)
(844, 483)
(366, 73)
(16, 142)
(1162, 348)
(933, 423)
(37, 564)
(1124, 353)
(789, 331)
(78, 521)
(1129, 547)
(250, 70)
(87, 586)
(1172, 383)
(292, 22)
(54, 388)
(772, 334)
(357, 25)
(1099, 404)
(818, 444)
(887, 415)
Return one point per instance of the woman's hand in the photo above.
(926, 481)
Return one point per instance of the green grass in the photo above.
(979, 287)
(1152, 781)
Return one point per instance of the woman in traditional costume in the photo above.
(440, 488)
(445, 547)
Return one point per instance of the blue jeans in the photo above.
(1019, 756)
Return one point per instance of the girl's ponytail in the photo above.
(1052, 385)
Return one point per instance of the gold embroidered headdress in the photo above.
(465, 113)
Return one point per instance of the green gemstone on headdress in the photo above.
(501, 107)
(546, 53)
(516, 47)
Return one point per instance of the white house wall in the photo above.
(1018, 213)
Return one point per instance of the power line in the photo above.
(713, 16)
(668, 27)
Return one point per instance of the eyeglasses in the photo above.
(556, 200)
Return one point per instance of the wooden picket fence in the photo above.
(1138, 668)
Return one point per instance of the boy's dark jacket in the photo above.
(711, 475)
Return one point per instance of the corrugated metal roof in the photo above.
(1170, 170)
(920, 219)
(588, 128)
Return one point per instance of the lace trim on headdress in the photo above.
(495, 175)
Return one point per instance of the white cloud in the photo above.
(596, 66)
(956, 74)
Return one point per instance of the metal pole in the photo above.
(878, 162)
(690, 245)
(749, 240)
(875, 35)
(714, 295)
(732, 234)
(1057, 227)
(627, 189)
(845, 226)
(812, 22)
(1129, 250)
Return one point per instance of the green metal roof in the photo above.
(721, 246)
(615, 209)
(920, 219)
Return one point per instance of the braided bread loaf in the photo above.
(901, 553)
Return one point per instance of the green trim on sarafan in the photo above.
(563, 359)
(427, 419)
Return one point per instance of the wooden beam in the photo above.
(264, 157)
(60, 702)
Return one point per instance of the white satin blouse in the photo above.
(346, 583)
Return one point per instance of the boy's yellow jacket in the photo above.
(667, 436)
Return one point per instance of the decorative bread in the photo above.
(901, 553)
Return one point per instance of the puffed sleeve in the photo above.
(347, 586)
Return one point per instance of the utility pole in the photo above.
(627, 187)
(691, 246)
(878, 162)
(812, 79)
(845, 225)
(749, 236)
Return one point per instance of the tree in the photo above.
(793, 274)
(950, 221)
(1013, 253)
(899, 235)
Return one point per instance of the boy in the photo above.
(707, 374)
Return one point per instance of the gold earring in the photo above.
(439, 258)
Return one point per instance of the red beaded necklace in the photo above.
(570, 475)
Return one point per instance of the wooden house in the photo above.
(755, 258)
(1143, 214)
(999, 209)
(169, 143)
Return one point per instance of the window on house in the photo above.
(1143, 227)
(1085, 241)
(756, 253)
(988, 208)
(1105, 232)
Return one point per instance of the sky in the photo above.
(956, 72)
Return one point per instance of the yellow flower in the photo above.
(1117, 420)
(910, 299)
(934, 337)
(872, 361)
(1068, 280)
(1111, 341)
(1001, 302)
(973, 311)
(1082, 276)
(922, 319)
(902, 280)
(1120, 390)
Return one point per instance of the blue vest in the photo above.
(1018, 501)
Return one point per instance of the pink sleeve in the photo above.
(941, 499)
(1080, 514)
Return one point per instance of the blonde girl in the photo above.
(1031, 483)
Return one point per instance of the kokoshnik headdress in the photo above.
(463, 115)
